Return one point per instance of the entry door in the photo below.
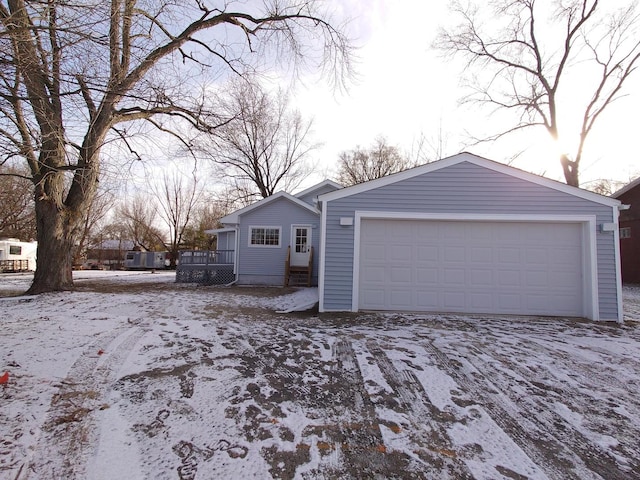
(300, 245)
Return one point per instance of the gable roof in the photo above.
(318, 186)
(234, 217)
(629, 186)
(476, 160)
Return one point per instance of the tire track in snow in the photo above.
(70, 430)
(547, 453)
(423, 415)
(595, 458)
(354, 423)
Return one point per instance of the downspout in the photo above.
(235, 256)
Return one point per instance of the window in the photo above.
(15, 250)
(264, 236)
(625, 232)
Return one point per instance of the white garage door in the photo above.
(471, 267)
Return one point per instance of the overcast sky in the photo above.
(405, 89)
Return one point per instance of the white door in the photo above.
(471, 267)
(300, 244)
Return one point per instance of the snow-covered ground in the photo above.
(133, 376)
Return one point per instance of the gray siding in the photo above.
(226, 241)
(265, 265)
(460, 188)
(311, 197)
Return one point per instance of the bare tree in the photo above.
(76, 75)
(265, 145)
(96, 213)
(17, 215)
(206, 216)
(379, 160)
(136, 219)
(533, 57)
(177, 199)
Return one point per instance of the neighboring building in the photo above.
(109, 254)
(630, 231)
(463, 234)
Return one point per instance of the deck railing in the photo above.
(206, 257)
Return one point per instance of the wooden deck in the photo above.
(208, 267)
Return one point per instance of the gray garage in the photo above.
(468, 235)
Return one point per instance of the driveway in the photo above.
(185, 383)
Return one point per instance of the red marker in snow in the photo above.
(4, 379)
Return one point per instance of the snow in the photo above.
(135, 376)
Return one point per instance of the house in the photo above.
(264, 243)
(630, 231)
(462, 235)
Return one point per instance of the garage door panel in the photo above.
(536, 256)
(454, 254)
(398, 298)
(402, 275)
(481, 255)
(476, 267)
(375, 274)
(401, 254)
(454, 276)
(427, 253)
(454, 300)
(427, 300)
(482, 302)
(480, 278)
(507, 278)
(427, 276)
(374, 251)
(374, 298)
(536, 279)
(509, 255)
(453, 231)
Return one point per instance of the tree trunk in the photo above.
(570, 169)
(59, 217)
(55, 250)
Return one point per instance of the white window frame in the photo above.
(625, 232)
(264, 227)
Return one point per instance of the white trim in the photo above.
(318, 186)
(590, 270)
(233, 218)
(265, 227)
(215, 231)
(476, 160)
(590, 264)
(321, 266)
(618, 258)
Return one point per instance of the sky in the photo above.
(404, 89)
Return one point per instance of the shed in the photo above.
(469, 235)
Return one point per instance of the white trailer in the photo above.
(17, 256)
(144, 260)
